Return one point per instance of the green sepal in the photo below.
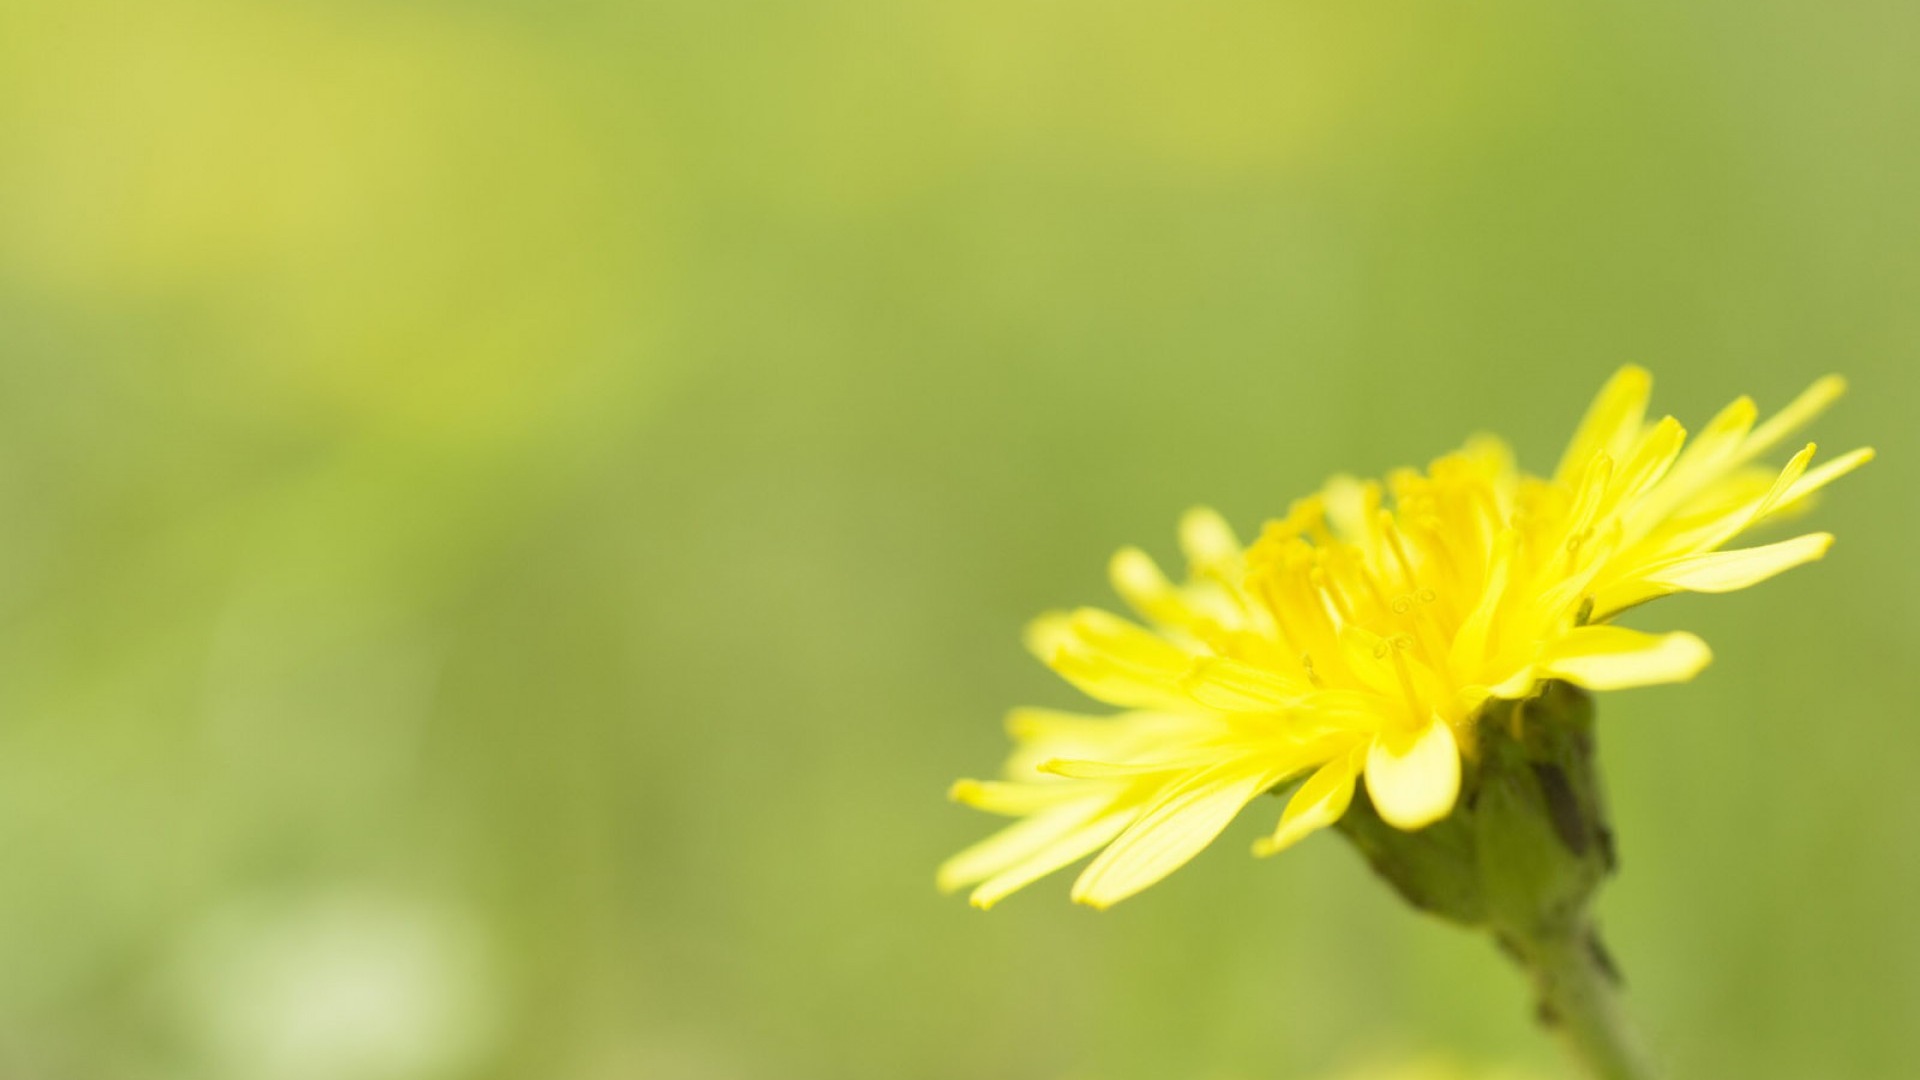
(1527, 843)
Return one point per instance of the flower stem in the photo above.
(1521, 856)
(1579, 998)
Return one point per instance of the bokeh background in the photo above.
(512, 513)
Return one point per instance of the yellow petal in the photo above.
(1047, 635)
(1030, 724)
(1350, 506)
(1721, 438)
(1103, 634)
(1016, 842)
(1726, 571)
(1414, 777)
(1041, 735)
(1815, 479)
(1173, 830)
(1222, 683)
(1319, 803)
(1125, 641)
(1086, 769)
(1708, 458)
(1111, 659)
(1650, 459)
(1614, 657)
(1012, 798)
(1515, 685)
(1138, 580)
(1117, 686)
(1206, 539)
(1326, 712)
(1611, 423)
(1790, 477)
(1475, 639)
(1075, 845)
(1370, 658)
(1798, 414)
(1736, 517)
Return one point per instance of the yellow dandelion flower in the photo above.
(1361, 635)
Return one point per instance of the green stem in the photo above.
(1579, 997)
(1521, 856)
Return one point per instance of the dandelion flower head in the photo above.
(1360, 636)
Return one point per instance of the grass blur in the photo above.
(514, 513)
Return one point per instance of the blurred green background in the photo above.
(514, 513)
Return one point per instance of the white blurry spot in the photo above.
(346, 986)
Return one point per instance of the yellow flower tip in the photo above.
(1267, 846)
(947, 878)
(965, 792)
(1693, 654)
(1488, 444)
(983, 903)
(1096, 902)
(1138, 580)
(1680, 656)
(1027, 724)
(1206, 538)
(1047, 635)
(1289, 834)
(1319, 802)
(1798, 413)
(1201, 519)
(1414, 777)
(1610, 423)
(1631, 377)
(1132, 571)
(1607, 657)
